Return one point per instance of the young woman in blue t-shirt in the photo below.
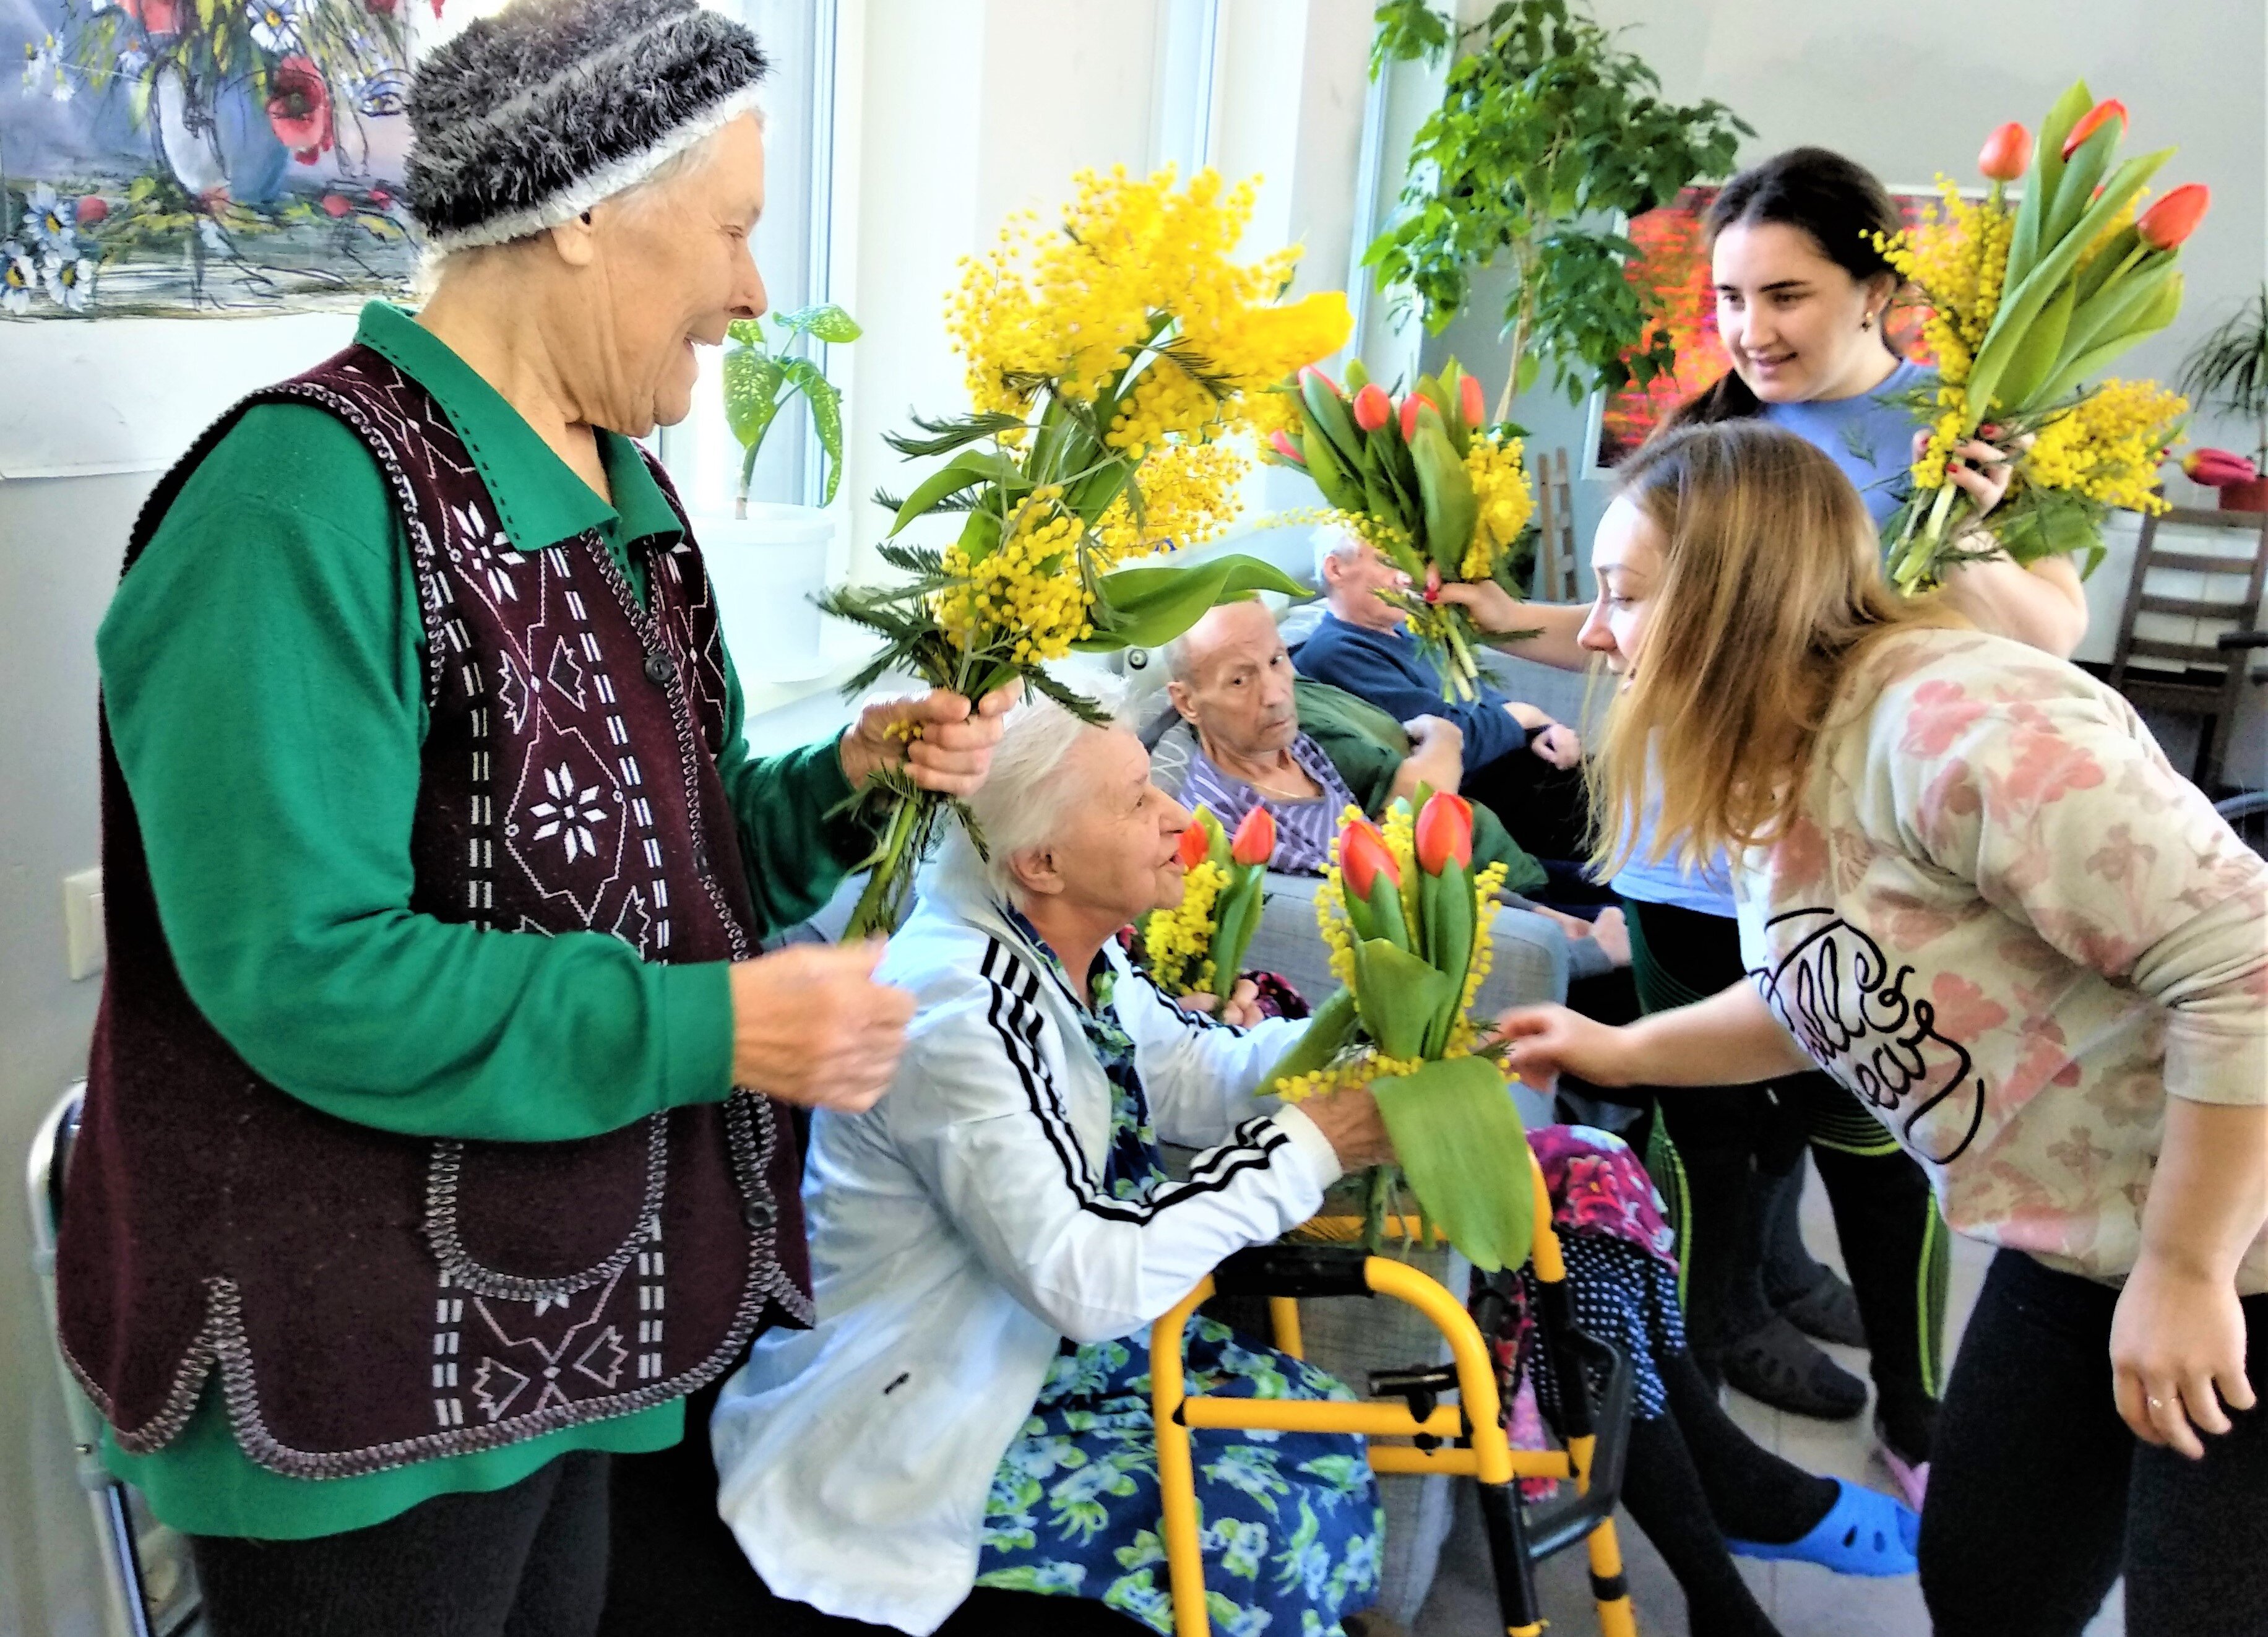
(1801, 296)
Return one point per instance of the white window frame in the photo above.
(793, 245)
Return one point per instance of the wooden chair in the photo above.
(2207, 675)
(1557, 579)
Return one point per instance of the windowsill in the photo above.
(795, 711)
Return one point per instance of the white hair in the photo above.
(1024, 797)
(642, 194)
(1334, 541)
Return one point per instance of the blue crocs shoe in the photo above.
(1864, 1532)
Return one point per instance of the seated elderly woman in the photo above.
(991, 1242)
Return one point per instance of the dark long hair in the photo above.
(1839, 203)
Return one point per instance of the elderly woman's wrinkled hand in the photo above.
(1242, 1010)
(943, 744)
(811, 1026)
(1351, 1121)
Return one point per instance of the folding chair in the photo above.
(1466, 1438)
(132, 1609)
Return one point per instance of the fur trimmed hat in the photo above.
(530, 117)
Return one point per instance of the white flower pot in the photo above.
(767, 570)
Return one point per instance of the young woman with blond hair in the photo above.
(1972, 890)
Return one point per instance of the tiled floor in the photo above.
(1803, 1600)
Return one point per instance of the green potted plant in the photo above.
(769, 561)
(2228, 371)
(1550, 135)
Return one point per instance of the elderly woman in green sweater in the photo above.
(431, 1155)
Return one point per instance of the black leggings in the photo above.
(2040, 1497)
(1730, 1141)
(528, 1560)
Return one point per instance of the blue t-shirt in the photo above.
(1871, 438)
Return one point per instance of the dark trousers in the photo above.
(678, 1572)
(1732, 1141)
(2040, 1497)
(529, 1560)
(1545, 807)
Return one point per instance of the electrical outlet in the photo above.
(83, 945)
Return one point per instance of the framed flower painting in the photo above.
(166, 158)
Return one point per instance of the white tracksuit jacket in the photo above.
(959, 1231)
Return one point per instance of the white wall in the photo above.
(1909, 91)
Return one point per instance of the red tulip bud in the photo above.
(2217, 469)
(1432, 582)
(2173, 217)
(1409, 406)
(1194, 844)
(1373, 409)
(2092, 120)
(92, 209)
(1445, 833)
(1255, 841)
(1469, 403)
(1310, 371)
(336, 204)
(2007, 153)
(1363, 859)
(1282, 444)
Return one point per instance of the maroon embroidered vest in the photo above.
(371, 1299)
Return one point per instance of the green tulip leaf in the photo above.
(1458, 1140)
(1148, 607)
(1400, 995)
(1330, 1028)
(965, 471)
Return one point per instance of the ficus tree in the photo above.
(1549, 135)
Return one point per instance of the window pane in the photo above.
(701, 454)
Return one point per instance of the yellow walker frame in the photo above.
(1466, 1438)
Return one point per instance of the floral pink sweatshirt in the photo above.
(2013, 930)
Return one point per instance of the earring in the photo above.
(1866, 322)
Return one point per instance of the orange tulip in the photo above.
(1470, 404)
(2092, 120)
(1373, 409)
(2007, 153)
(1255, 841)
(1194, 844)
(1445, 833)
(2173, 217)
(1364, 857)
(1310, 369)
(1409, 406)
(1281, 442)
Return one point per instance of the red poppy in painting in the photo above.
(300, 109)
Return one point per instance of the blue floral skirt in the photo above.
(1291, 1524)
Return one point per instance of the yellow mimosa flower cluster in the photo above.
(1189, 495)
(1028, 584)
(1138, 261)
(1344, 1075)
(1958, 259)
(2109, 445)
(1500, 487)
(1173, 939)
